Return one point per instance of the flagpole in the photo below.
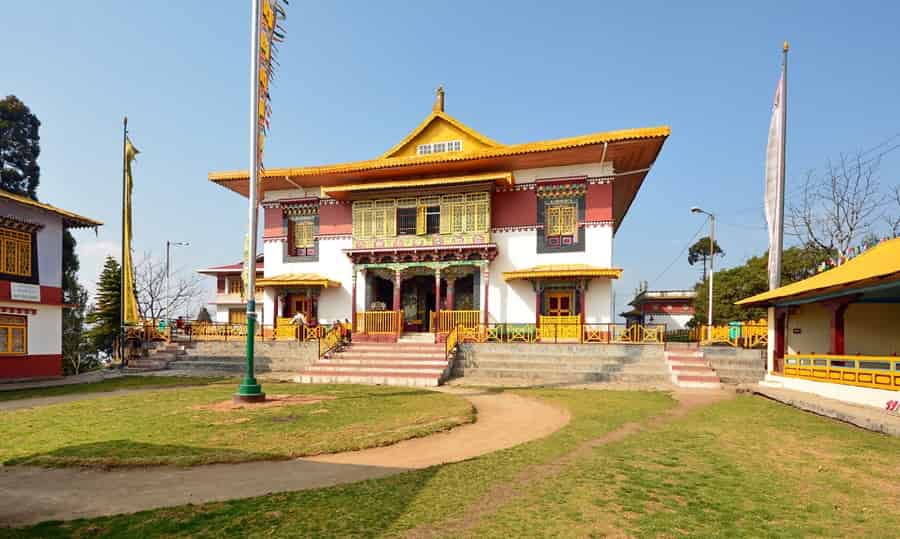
(122, 259)
(779, 193)
(249, 389)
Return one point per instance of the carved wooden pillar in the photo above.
(437, 298)
(353, 298)
(779, 348)
(398, 281)
(451, 291)
(582, 302)
(486, 277)
(538, 292)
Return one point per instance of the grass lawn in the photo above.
(167, 427)
(111, 384)
(745, 467)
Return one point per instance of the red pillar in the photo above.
(838, 307)
(778, 352)
(486, 276)
(537, 304)
(437, 299)
(451, 289)
(353, 299)
(398, 280)
(581, 299)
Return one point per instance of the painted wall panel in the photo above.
(273, 222)
(598, 202)
(513, 208)
(335, 218)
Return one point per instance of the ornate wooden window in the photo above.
(465, 213)
(13, 335)
(562, 220)
(447, 214)
(302, 236)
(235, 285)
(15, 252)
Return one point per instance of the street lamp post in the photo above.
(712, 257)
(169, 245)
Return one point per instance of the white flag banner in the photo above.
(774, 181)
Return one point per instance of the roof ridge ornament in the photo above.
(439, 99)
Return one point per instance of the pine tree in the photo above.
(106, 316)
(19, 148)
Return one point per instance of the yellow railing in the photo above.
(217, 332)
(563, 333)
(313, 333)
(285, 330)
(749, 335)
(881, 372)
(452, 340)
(331, 339)
(560, 328)
(378, 322)
(451, 319)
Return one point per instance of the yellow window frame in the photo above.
(10, 326)
(15, 252)
(303, 234)
(561, 220)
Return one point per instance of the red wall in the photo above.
(50, 295)
(273, 220)
(513, 208)
(40, 366)
(598, 202)
(335, 219)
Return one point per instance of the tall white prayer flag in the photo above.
(774, 198)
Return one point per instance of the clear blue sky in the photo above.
(356, 77)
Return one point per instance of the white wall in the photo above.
(45, 330)
(514, 301)
(867, 396)
(591, 170)
(672, 321)
(49, 239)
(333, 263)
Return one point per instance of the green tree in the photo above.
(77, 353)
(751, 278)
(19, 148)
(700, 252)
(203, 315)
(106, 316)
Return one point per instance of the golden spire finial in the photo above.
(439, 99)
(786, 47)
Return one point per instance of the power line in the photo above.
(680, 254)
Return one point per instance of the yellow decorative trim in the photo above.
(499, 151)
(502, 179)
(71, 219)
(562, 270)
(298, 279)
(431, 118)
(833, 369)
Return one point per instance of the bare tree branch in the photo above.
(150, 281)
(840, 207)
(893, 216)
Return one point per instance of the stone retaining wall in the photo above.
(270, 355)
(736, 365)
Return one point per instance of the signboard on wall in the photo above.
(25, 292)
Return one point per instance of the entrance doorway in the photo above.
(417, 300)
(559, 303)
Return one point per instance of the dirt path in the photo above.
(31, 494)
(469, 518)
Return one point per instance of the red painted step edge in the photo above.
(696, 378)
(370, 374)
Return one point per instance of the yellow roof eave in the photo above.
(503, 179)
(298, 279)
(562, 271)
(499, 151)
(72, 219)
(878, 263)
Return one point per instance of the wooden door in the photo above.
(559, 303)
(303, 305)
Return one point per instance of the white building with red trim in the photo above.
(673, 308)
(31, 297)
(230, 303)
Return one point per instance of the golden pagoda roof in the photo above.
(621, 135)
(70, 219)
(878, 265)
(298, 279)
(550, 271)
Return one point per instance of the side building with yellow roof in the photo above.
(837, 333)
(449, 226)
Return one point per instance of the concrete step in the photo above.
(381, 368)
(528, 364)
(394, 345)
(381, 361)
(369, 378)
(637, 378)
(353, 353)
(698, 381)
(688, 361)
(738, 363)
(237, 365)
(691, 369)
(683, 355)
(544, 375)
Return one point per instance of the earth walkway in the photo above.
(30, 494)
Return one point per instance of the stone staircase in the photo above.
(159, 355)
(558, 364)
(689, 368)
(413, 361)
